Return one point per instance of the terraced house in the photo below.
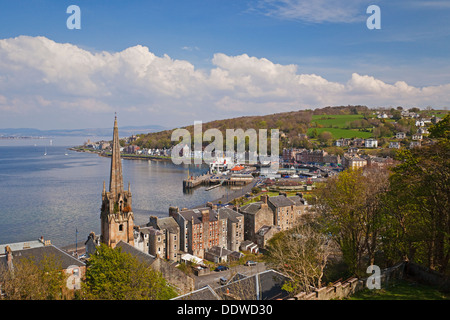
(264, 218)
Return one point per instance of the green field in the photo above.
(337, 125)
(343, 133)
(340, 121)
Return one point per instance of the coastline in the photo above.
(123, 156)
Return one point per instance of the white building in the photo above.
(371, 143)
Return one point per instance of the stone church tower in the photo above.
(117, 219)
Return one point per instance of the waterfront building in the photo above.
(117, 219)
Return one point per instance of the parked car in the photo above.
(223, 280)
(250, 263)
(221, 268)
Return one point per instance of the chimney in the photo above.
(153, 222)
(173, 211)
(9, 257)
(211, 205)
(205, 216)
(264, 198)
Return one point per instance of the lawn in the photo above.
(343, 133)
(337, 125)
(402, 290)
(339, 120)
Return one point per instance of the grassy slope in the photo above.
(337, 125)
(402, 290)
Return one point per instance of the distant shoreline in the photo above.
(123, 156)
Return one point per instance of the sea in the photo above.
(50, 191)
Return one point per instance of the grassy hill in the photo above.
(340, 121)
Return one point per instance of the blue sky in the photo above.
(223, 58)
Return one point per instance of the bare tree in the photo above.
(301, 254)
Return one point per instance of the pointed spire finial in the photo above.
(116, 179)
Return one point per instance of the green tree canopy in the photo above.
(114, 275)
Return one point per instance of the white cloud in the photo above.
(317, 11)
(39, 77)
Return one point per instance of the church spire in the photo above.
(116, 179)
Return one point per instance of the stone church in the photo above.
(117, 219)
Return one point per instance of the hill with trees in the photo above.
(306, 128)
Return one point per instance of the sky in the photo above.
(173, 62)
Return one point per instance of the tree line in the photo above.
(374, 216)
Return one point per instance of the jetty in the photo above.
(215, 181)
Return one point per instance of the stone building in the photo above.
(200, 229)
(232, 229)
(256, 215)
(264, 234)
(353, 161)
(286, 210)
(311, 156)
(117, 219)
(168, 237)
(281, 212)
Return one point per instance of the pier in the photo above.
(215, 181)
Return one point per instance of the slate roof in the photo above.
(262, 286)
(227, 213)
(299, 201)
(281, 201)
(251, 208)
(197, 214)
(219, 251)
(140, 255)
(168, 223)
(38, 254)
(205, 293)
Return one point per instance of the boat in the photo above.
(45, 153)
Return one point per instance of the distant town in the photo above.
(190, 247)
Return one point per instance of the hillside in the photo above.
(303, 128)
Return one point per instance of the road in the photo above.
(212, 279)
(235, 194)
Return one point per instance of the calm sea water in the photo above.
(56, 194)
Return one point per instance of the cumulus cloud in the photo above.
(40, 76)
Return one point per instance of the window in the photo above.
(120, 227)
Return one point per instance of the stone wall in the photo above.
(177, 278)
(348, 287)
(427, 276)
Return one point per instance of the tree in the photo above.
(325, 137)
(114, 275)
(419, 219)
(29, 280)
(349, 206)
(300, 253)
